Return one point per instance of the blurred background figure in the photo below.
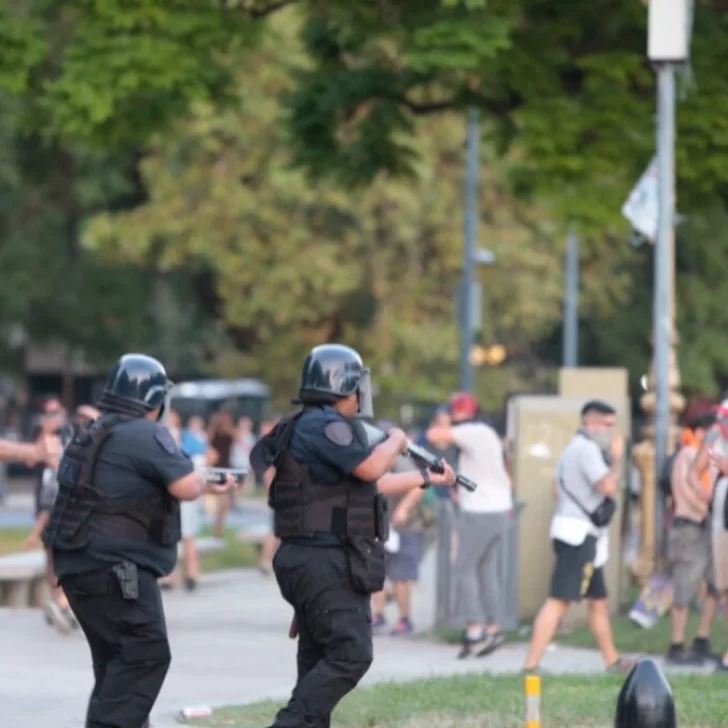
(189, 510)
(481, 521)
(689, 548)
(51, 423)
(84, 415)
(402, 562)
(245, 439)
(51, 419)
(444, 504)
(194, 441)
(221, 435)
(445, 497)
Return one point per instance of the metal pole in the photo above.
(467, 331)
(663, 285)
(571, 303)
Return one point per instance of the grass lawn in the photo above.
(494, 702)
(630, 638)
(235, 556)
(11, 539)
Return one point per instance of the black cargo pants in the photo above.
(334, 631)
(129, 646)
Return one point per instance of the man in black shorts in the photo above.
(588, 471)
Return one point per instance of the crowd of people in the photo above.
(456, 434)
(589, 474)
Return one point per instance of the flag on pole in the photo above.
(641, 207)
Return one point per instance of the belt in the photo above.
(682, 521)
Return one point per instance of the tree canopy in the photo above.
(227, 183)
(298, 263)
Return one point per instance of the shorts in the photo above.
(405, 564)
(190, 516)
(690, 560)
(720, 559)
(575, 577)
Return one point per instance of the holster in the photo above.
(366, 564)
(127, 575)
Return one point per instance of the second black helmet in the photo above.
(337, 371)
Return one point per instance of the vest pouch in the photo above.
(286, 498)
(67, 527)
(366, 564)
(381, 522)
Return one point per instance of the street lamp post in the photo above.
(668, 47)
(470, 290)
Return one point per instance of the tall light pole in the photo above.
(570, 358)
(668, 48)
(469, 306)
(470, 298)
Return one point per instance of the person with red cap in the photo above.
(481, 522)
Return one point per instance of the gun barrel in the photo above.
(419, 455)
(219, 475)
(466, 483)
(432, 461)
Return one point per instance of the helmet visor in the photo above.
(364, 395)
(164, 411)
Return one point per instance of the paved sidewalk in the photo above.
(230, 646)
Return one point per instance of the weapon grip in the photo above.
(216, 478)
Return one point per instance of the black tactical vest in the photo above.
(350, 509)
(80, 511)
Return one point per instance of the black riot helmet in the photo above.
(137, 384)
(334, 371)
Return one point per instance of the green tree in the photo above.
(297, 262)
(565, 87)
(112, 72)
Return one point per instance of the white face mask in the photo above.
(603, 438)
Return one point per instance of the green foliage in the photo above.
(113, 71)
(249, 187)
(297, 263)
(565, 86)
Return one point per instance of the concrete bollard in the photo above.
(645, 700)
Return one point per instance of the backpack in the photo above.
(664, 482)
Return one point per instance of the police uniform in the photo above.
(332, 527)
(113, 532)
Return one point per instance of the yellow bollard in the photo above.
(533, 701)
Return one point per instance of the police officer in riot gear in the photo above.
(114, 531)
(330, 514)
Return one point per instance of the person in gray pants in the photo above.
(483, 517)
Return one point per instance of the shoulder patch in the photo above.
(166, 441)
(340, 433)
